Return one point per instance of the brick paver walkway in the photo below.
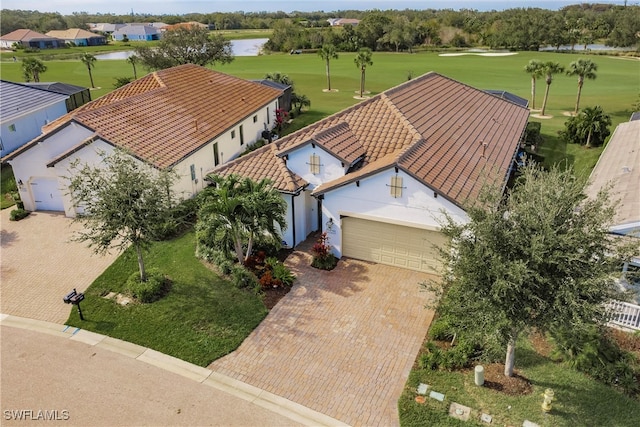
(39, 264)
(341, 342)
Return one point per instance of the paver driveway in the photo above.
(341, 342)
(40, 265)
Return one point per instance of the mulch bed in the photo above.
(273, 295)
(494, 379)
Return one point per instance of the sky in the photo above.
(179, 7)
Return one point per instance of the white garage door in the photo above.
(46, 194)
(390, 244)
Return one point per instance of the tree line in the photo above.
(517, 28)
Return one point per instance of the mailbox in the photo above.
(74, 297)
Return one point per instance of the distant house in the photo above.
(187, 118)
(379, 176)
(24, 110)
(77, 95)
(340, 22)
(105, 28)
(79, 37)
(30, 39)
(136, 33)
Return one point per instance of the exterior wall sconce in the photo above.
(329, 225)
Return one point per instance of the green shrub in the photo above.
(152, 290)
(18, 214)
(440, 330)
(243, 278)
(457, 357)
(280, 272)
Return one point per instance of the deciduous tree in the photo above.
(541, 257)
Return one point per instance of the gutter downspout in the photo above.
(293, 218)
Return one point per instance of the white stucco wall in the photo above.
(330, 167)
(28, 126)
(298, 217)
(372, 200)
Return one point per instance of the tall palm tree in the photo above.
(133, 60)
(362, 60)
(32, 68)
(593, 120)
(89, 60)
(584, 69)
(327, 53)
(549, 68)
(534, 69)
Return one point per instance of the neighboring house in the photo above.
(77, 95)
(284, 101)
(137, 33)
(379, 176)
(106, 28)
(339, 22)
(186, 118)
(29, 39)
(79, 37)
(24, 111)
(619, 166)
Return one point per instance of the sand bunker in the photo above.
(480, 54)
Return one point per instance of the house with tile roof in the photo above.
(24, 110)
(29, 39)
(187, 118)
(79, 37)
(137, 32)
(379, 176)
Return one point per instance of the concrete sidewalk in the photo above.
(83, 378)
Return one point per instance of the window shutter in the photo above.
(396, 186)
(193, 172)
(314, 164)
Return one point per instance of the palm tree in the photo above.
(327, 53)
(583, 68)
(133, 60)
(549, 68)
(593, 120)
(362, 59)
(534, 69)
(32, 68)
(89, 60)
(279, 78)
(300, 101)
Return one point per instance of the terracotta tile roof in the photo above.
(25, 35)
(165, 116)
(450, 136)
(73, 34)
(263, 163)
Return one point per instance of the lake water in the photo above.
(248, 47)
(589, 47)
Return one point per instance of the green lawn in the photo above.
(615, 89)
(201, 319)
(7, 185)
(581, 401)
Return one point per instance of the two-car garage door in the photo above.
(391, 244)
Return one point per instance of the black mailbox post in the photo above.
(74, 298)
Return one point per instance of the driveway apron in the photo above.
(40, 264)
(341, 342)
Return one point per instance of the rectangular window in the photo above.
(314, 164)
(255, 119)
(241, 135)
(216, 155)
(268, 118)
(233, 134)
(193, 172)
(12, 128)
(396, 186)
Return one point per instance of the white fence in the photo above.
(624, 315)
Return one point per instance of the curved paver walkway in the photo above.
(40, 264)
(341, 342)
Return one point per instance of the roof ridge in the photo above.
(401, 116)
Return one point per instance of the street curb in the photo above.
(239, 389)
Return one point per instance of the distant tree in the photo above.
(278, 77)
(193, 45)
(540, 256)
(583, 68)
(133, 60)
(122, 81)
(300, 101)
(590, 127)
(362, 60)
(124, 202)
(89, 61)
(534, 69)
(236, 211)
(549, 69)
(32, 68)
(327, 53)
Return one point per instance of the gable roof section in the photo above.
(18, 99)
(73, 34)
(619, 165)
(263, 163)
(167, 115)
(137, 29)
(449, 136)
(25, 35)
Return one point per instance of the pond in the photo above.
(248, 47)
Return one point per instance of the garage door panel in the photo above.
(390, 244)
(47, 195)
